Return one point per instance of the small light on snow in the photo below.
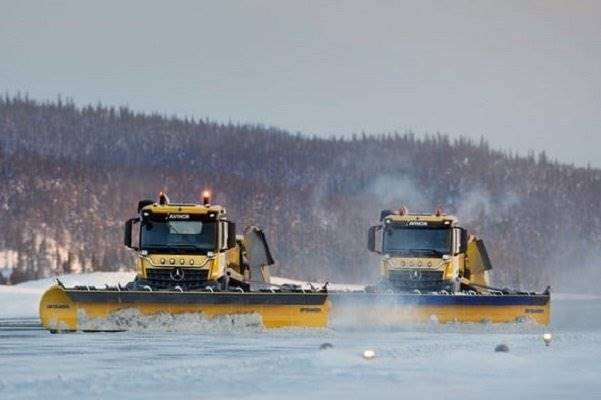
(325, 346)
(502, 348)
(547, 338)
(369, 354)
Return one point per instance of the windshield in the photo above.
(417, 240)
(178, 236)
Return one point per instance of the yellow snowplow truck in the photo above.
(428, 252)
(432, 270)
(194, 246)
(189, 261)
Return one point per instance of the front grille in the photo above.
(409, 279)
(186, 278)
(415, 274)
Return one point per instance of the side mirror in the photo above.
(127, 239)
(372, 242)
(463, 241)
(227, 235)
(231, 235)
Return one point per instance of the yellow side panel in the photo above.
(478, 263)
(57, 311)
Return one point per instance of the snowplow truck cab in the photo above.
(192, 246)
(428, 253)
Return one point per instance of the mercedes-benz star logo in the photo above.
(416, 275)
(177, 274)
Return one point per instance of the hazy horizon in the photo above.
(524, 75)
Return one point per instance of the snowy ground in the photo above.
(202, 360)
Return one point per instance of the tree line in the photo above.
(71, 175)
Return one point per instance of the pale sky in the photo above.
(523, 74)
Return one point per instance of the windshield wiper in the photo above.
(180, 246)
(155, 246)
(429, 251)
(188, 246)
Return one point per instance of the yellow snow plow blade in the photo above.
(65, 309)
(82, 308)
(397, 308)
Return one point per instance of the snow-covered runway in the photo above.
(225, 361)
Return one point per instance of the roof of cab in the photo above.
(185, 208)
(422, 217)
